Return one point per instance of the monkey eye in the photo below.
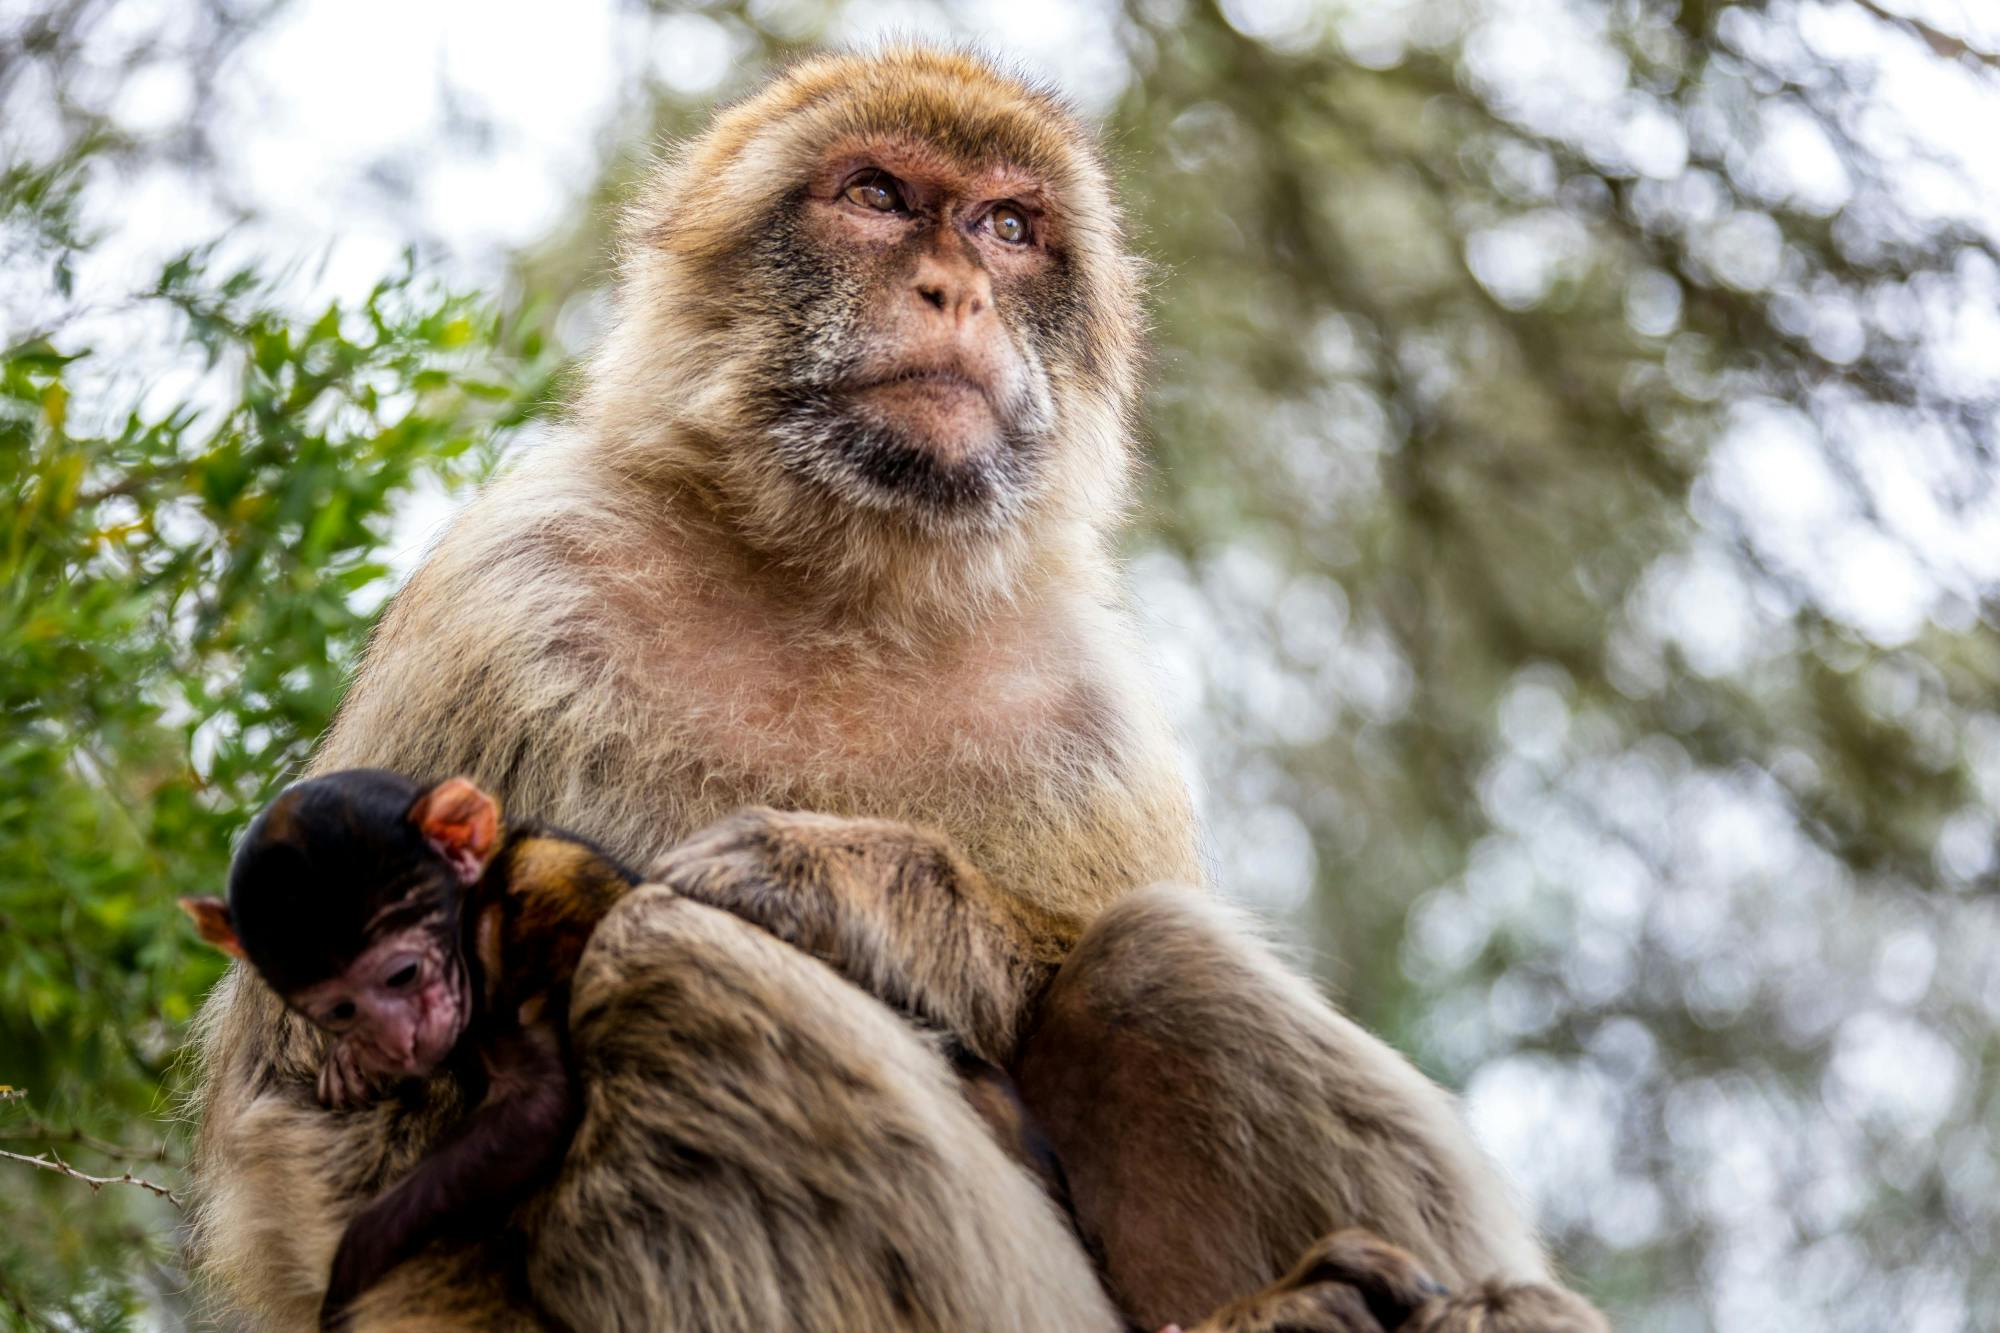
(877, 190)
(1009, 223)
(402, 976)
(340, 1015)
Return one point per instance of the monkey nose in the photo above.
(398, 1036)
(953, 288)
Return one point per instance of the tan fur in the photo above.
(642, 629)
(1311, 1126)
(824, 1172)
(1212, 1114)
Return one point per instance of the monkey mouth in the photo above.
(447, 1005)
(934, 378)
(933, 442)
(944, 411)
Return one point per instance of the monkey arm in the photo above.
(515, 1138)
(765, 1148)
(893, 907)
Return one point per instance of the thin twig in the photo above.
(48, 1161)
(37, 1130)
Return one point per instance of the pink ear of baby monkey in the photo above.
(211, 921)
(462, 823)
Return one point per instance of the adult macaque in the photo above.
(830, 531)
(400, 921)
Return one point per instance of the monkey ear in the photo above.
(462, 822)
(211, 921)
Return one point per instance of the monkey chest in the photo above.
(879, 742)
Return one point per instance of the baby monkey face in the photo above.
(401, 1005)
(347, 895)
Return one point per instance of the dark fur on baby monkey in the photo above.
(402, 921)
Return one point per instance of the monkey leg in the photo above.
(765, 1147)
(1214, 1116)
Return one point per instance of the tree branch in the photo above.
(48, 1161)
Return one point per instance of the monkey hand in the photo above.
(1498, 1307)
(1349, 1282)
(892, 907)
(345, 1080)
(780, 870)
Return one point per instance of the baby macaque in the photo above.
(403, 922)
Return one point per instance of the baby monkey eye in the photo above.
(403, 976)
(877, 190)
(1009, 223)
(340, 1013)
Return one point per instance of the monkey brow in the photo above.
(419, 904)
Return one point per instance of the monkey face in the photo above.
(401, 1005)
(912, 380)
(887, 295)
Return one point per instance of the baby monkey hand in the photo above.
(345, 1081)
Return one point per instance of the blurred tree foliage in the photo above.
(1572, 541)
(184, 579)
(179, 597)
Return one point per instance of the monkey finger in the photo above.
(343, 1085)
(332, 1087)
(1388, 1277)
(721, 853)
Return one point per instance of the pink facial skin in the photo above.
(397, 1011)
(939, 361)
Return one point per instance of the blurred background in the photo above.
(1571, 544)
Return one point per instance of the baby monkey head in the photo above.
(346, 896)
(899, 278)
